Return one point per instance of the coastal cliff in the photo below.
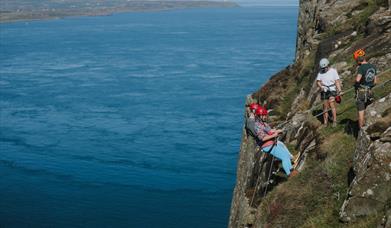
(345, 174)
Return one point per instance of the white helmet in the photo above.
(324, 63)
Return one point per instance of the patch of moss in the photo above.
(287, 100)
(361, 19)
(370, 221)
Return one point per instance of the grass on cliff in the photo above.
(294, 85)
(370, 7)
(314, 196)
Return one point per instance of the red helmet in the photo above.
(338, 99)
(261, 111)
(254, 106)
(358, 53)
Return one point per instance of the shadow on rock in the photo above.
(351, 127)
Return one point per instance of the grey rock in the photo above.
(371, 189)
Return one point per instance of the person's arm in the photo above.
(273, 133)
(358, 78)
(338, 84)
(319, 84)
(357, 81)
(269, 137)
(277, 130)
(376, 81)
(264, 136)
(337, 81)
(359, 75)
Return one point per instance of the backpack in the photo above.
(369, 77)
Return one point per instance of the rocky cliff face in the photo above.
(370, 190)
(344, 174)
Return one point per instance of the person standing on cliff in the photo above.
(330, 86)
(364, 81)
(269, 142)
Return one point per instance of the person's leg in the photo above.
(282, 144)
(361, 109)
(325, 112)
(333, 109)
(361, 118)
(282, 153)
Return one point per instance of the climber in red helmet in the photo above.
(250, 118)
(364, 81)
(269, 142)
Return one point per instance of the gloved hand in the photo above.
(357, 85)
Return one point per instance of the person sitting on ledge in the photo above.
(269, 142)
(250, 119)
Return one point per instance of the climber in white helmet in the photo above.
(330, 86)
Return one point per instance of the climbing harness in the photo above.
(329, 86)
(366, 91)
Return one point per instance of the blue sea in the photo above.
(133, 119)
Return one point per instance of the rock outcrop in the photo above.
(342, 170)
(370, 190)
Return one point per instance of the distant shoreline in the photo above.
(32, 14)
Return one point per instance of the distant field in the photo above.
(11, 10)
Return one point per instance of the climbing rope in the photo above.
(268, 179)
(382, 84)
(256, 184)
(347, 91)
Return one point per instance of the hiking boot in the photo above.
(293, 173)
(323, 126)
(334, 124)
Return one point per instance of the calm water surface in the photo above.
(131, 120)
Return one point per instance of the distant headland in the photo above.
(11, 10)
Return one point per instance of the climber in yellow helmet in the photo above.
(364, 81)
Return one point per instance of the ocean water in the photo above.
(134, 119)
